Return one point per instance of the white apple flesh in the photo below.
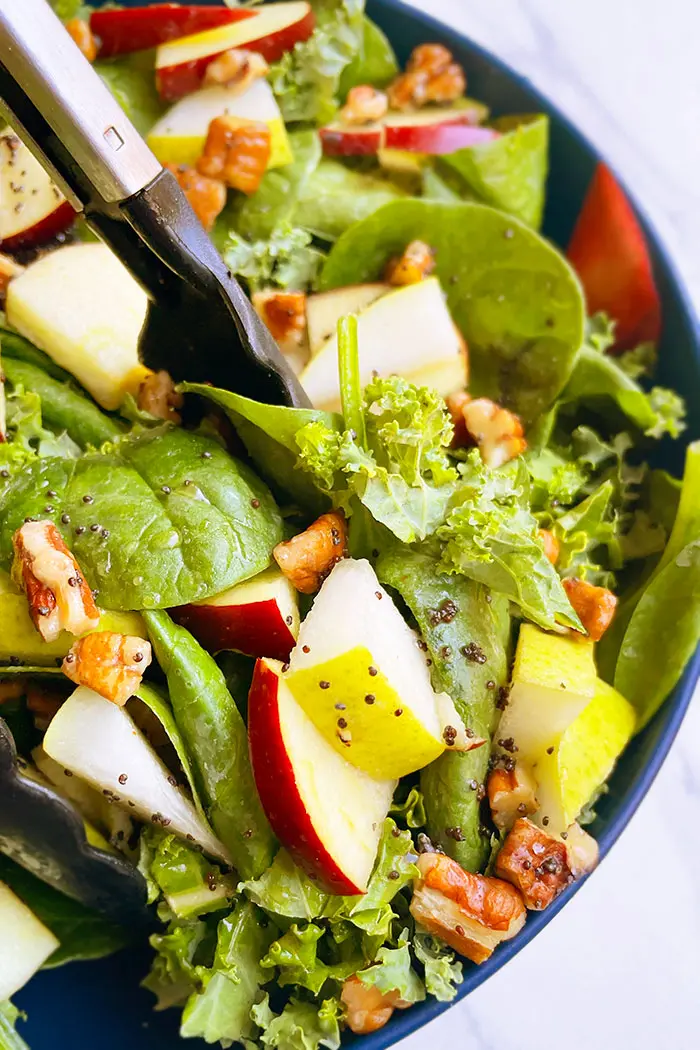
(327, 813)
(81, 307)
(25, 944)
(408, 332)
(273, 30)
(32, 209)
(259, 617)
(99, 742)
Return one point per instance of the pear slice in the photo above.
(80, 306)
(98, 741)
(359, 675)
(25, 944)
(583, 759)
(325, 309)
(179, 135)
(408, 332)
(554, 678)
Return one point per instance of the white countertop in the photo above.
(619, 968)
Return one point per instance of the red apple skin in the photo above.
(138, 28)
(255, 629)
(174, 82)
(276, 784)
(436, 139)
(339, 141)
(57, 221)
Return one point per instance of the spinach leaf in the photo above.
(306, 80)
(83, 934)
(269, 434)
(14, 345)
(597, 380)
(335, 197)
(516, 300)
(216, 738)
(257, 216)
(10, 1039)
(510, 172)
(375, 63)
(178, 518)
(453, 613)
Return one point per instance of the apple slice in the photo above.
(25, 944)
(554, 678)
(325, 309)
(138, 28)
(430, 132)
(179, 136)
(360, 676)
(32, 209)
(583, 759)
(99, 742)
(81, 306)
(408, 332)
(327, 813)
(349, 140)
(273, 30)
(259, 617)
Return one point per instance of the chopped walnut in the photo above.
(551, 545)
(416, 263)
(368, 1009)
(431, 76)
(237, 153)
(44, 704)
(364, 105)
(8, 270)
(109, 663)
(535, 862)
(497, 432)
(471, 913)
(157, 395)
(595, 606)
(511, 795)
(284, 313)
(207, 196)
(582, 851)
(307, 559)
(58, 594)
(455, 406)
(83, 37)
(236, 68)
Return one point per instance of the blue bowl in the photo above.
(100, 1004)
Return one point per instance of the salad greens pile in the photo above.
(167, 517)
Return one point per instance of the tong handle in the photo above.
(66, 114)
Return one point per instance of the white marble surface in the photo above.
(619, 968)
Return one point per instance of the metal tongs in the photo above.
(200, 326)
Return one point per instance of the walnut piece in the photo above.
(595, 606)
(471, 913)
(307, 559)
(498, 432)
(236, 68)
(207, 196)
(237, 153)
(58, 594)
(535, 862)
(158, 396)
(511, 795)
(416, 263)
(431, 76)
(368, 1009)
(284, 313)
(83, 37)
(364, 105)
(551, 545)
(109, 663)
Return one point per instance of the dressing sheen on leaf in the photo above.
(177, 518)
(515, 299)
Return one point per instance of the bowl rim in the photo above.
(675, 708)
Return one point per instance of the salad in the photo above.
(345, 684)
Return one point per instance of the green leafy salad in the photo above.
(341, 686)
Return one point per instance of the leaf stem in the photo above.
(349, 372)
